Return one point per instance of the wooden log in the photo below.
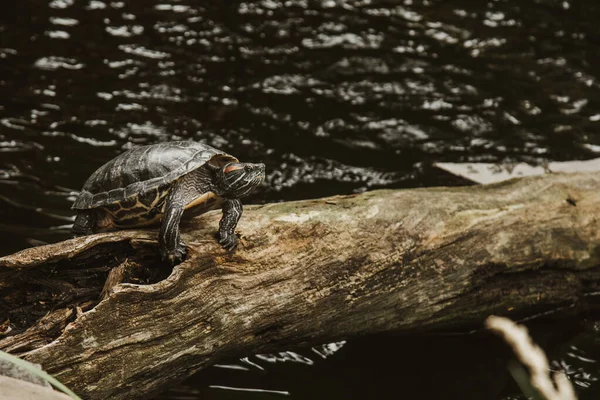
(305, 272)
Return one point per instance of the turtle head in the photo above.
(237, 180)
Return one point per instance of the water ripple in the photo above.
(53, 63)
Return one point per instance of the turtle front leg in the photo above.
(232, 212)
(172, 248)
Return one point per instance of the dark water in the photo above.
(335, 97)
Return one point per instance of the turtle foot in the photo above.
(174, 256)
(229, 242)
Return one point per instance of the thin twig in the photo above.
(534, 359)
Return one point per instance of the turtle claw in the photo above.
(229, 242)
(175, 256)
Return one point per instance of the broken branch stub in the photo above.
(305, 272)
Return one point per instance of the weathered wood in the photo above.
(305, 272)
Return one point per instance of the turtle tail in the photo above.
(84, 224)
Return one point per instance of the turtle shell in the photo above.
(145, 169)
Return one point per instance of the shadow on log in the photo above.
(305, 272)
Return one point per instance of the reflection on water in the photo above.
(335, 96)
(428, 366)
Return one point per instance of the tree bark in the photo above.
(305, 272)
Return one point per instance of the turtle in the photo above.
(156, 183)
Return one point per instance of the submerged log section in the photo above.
(305, 272)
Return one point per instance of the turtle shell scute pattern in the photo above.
(144, 169)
